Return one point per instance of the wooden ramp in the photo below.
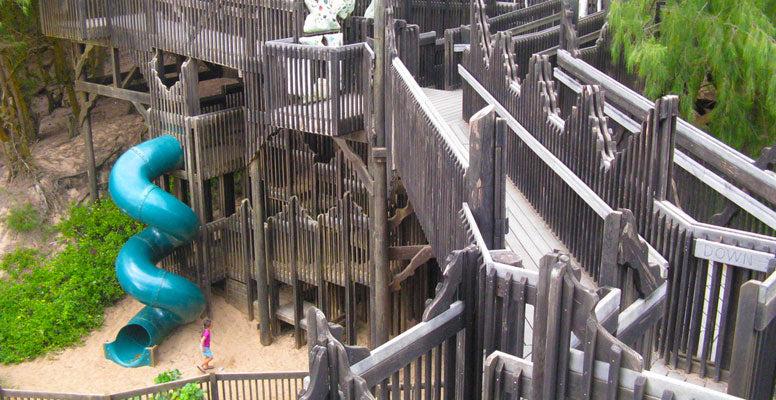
(529, 236)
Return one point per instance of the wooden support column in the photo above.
(262, 289)
(91, 169)
(84, 120)
(115, 67)
(485, 176)
(381, 317)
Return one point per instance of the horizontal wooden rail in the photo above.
(572, 180)
(207, 380)
(706, 147)
(386, 359)
(109, 91)
(710, 178)
(631, 383)
(433, 115)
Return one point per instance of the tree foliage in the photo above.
(718, 55)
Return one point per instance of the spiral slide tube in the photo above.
(170, 299)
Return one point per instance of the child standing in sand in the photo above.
(204, 346)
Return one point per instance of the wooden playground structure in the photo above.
(544, 231)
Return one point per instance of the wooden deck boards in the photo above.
(529, 236)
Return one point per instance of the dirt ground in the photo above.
(84, 369)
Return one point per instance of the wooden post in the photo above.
(378, 168)
(609, 273)
(468, 293)
(485, 176)
(115, 66)
(91, 169)
(213, 395)
(257, 193)
(293, 216)
(744, 343)
(86, 123)
(245, 233)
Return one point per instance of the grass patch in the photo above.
(54, 300)
(23, 218)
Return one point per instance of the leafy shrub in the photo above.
(168, 376)
(59, 299)
(190, 391)
(23, 218)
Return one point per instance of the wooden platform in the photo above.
(528, 236)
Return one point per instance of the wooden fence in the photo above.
(230, 386)
(596, 142)
(486, 309)
(229, 33)
(322, 90)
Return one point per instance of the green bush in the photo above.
(23, 218)
(20, 261)
(56, 300)
(168, 376)
(190, 391)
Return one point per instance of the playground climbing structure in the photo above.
(585, 239)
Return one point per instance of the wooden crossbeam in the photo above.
(422, 256)
(358, 165)
(109, 91)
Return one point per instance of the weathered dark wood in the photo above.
(260, 256)
(484, 176)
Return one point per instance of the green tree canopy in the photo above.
(718, 53)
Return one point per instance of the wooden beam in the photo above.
(405, 252)
(420, 258)
(79, 65)
(358, 165)
(116, 93)
(400, 215)
(134, 72)
(357, 136)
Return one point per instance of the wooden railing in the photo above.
(432, 15)
(432, 167)
(604, 142)
(507, 376)
(228, 251)
(229, 32)
(755, 333)
(323, 90)
(75, 19)
(231, 386)
(484, 308)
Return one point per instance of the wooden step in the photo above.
(285, 313)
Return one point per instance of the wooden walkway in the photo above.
(529, 236)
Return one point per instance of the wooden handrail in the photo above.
(704, 146)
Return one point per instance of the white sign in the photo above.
(732, 255)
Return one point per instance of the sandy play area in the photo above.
(84, 369)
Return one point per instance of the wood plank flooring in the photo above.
(529, 236)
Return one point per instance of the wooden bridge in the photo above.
(586, 242)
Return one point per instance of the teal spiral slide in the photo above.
(170, 299)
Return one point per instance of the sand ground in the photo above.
(84, 369)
